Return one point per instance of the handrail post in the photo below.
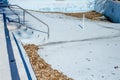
(24, 17)
(48, 32)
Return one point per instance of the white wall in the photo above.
(57, 6)
(100, 5)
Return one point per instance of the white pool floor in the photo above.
(88, 53)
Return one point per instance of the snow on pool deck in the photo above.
(91, 60)
(91, 53)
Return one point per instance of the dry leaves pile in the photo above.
(43, 71)
(90, 15)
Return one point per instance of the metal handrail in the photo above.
(48, 30)
(15, 14)
(33, 17)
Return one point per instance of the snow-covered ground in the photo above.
(90, 52)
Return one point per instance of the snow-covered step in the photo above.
(8, 59)
(4, 61)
